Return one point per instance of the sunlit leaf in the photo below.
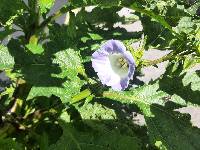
(6, 60)
(45, 5)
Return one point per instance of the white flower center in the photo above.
(119, 64)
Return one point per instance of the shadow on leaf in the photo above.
(172, 83)
(35, 69)
(172, 128)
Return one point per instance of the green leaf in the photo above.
(184, 85)
(193, 8)
(10, 144)
(158, 101)
(9, 8)
(182, 90)
(173, 129)
(96, 111)
(35, 48)
(158, 18)
(95, 36)
(6, 60)
(143, 97)
(71, 28)
(45, 5)
(185, 25)
(69, 62)
(92, 134)
(156, 33)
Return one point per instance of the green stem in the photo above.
(82, 95)
(157, 61)
(121, 97)
(37, 12)
(170, 56)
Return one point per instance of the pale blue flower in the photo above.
(114, 65)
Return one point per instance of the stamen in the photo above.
(119, 65)
(122, 63)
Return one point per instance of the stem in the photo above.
(20, 95)
(121, 97)
(85, 93)
(81, 71)
(37, 12)
(34, 18)
(50, 19)
(166, 57)
(157, 61)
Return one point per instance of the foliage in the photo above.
(51, 98)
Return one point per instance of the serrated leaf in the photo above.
(96, 111)
(173, 129)
(184, 85)
(165, 125)
(185, 25)
(69, 62)
(6, 60)
(143, 97)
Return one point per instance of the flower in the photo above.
(114, 65)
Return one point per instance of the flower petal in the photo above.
(113, 46)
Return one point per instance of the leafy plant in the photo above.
(51, 98)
